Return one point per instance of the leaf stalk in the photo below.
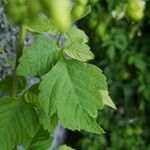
(22, 35)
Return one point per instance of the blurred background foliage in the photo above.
(122, 48)
(120, 41)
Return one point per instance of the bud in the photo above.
(135, 9)
(58, 11)
(77, 10)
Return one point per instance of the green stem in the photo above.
(22, 36)
(59, 39)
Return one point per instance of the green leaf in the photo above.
(39, 57)
(76, 35)
(18, 120)
(69, 89)
(101, 84)
(41, 24)
(32, 96)
(87, 10)
(49, 122)
(79, 52)
(65, 147)
(99, 78)
(41, 140)
(75, 45)
(106, 99)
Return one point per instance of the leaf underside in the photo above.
(70, 90)
(38, 58)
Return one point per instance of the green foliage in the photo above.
(75, 48)
(75, 35)
(74, 96)
(121, 48)
(53, 98)
(69, 90)
(106, 99)
(49, 122)
(18, 122)
(39, 57)
(41, 24)
(41, 141)
(31, 95)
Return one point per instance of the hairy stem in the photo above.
(22, 35)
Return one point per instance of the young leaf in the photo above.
(76, 35)
(18, 121)
(41, 141)
(65, 147)
(31, 95)
(39, 57)
(75, 45)
(41, 24)
(79, 52)
(69, 89)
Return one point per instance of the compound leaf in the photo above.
(69, 89)
(38, 58)
(18, 121)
